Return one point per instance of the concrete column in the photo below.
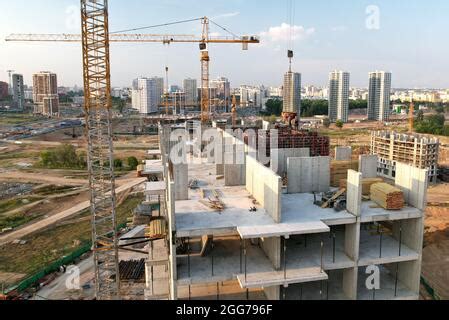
(350, 278)
(354, 193)
(181, 176)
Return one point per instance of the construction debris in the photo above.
(193, 184)
(333, 199)
(387, 196)
(366, 184)
(213, 201)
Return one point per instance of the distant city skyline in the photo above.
(407, 40)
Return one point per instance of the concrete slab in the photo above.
(299, 208)
(195, 219)
(282, 229)
(227, 263)
(376, 214)
(387, 287)
(302, 252)
(370, 253)
(153, 167)
(155, 188)
(278, 278)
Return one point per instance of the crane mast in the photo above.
(97, 93)
(205, 83)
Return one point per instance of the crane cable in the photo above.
(156, 25)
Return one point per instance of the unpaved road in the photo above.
(40, 178)
(38, 225)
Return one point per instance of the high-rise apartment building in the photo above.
(292, 93)
(4, 90)
(18, 91)
(251, 96)
(338, 96)
(379, 95)
(191, 91)
(146, 95)
(45, 93)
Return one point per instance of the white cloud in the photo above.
(227, 15)
(283, 32)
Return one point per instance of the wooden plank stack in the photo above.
(366, 184)
(339, 170)
(387, 196)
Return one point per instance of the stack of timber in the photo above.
(157, 229)
(339, 170)
(387, 196)
(366, 184)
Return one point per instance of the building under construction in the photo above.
(413, 149)
(240, 231)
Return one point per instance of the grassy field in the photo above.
(17, 118)
(52, 244)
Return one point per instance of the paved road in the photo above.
(41, 224)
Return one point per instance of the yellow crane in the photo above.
(204, 40)
(95, 39)
(411, 116)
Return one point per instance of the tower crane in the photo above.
(204, 40)
(95, 39)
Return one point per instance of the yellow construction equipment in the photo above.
(411, 117)
(204, 40)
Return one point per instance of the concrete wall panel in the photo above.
(308, 174)
(265, 186)
(368, 166)
(414, 183)
(279, 158)
(354, 193)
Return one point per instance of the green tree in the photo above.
(118, 164)
(274, 107)
(339, 124)
(133, 163)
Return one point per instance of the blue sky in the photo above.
(411, 41)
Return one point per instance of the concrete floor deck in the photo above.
(299, 208)
(370, 250)
(307, 253)
(370, 214)
(332, 289)
(387, 287)
(195, 219)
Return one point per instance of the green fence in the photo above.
(429, 289)
(55, 266)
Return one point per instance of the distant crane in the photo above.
(203, 41)
(411, 116)
(95, 39)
